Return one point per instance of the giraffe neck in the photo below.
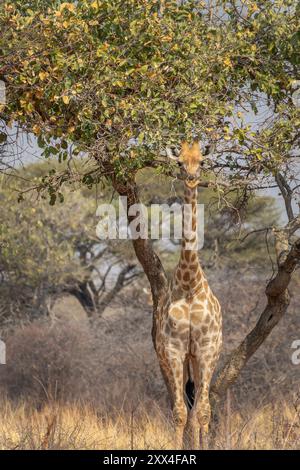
(189, 275)
(189, 221)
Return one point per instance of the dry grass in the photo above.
(81, 427)
(70, 385)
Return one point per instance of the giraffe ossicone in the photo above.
(188, 323)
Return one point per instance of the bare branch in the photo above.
(120, 282)
(287, 194)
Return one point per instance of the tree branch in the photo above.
(145, 253)
(277, 304)
(287, 194)
(120, 283)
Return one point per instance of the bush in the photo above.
(47, 362)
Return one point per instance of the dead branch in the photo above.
(120, 283)
(287, 194)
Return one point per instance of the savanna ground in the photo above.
(74, 383)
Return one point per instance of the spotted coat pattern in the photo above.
(189, 332)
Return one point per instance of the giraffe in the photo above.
(188, 324)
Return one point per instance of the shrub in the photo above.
(47, 362)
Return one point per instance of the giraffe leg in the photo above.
(173, 371)
(201, 412)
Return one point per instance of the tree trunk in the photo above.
(85, 293)
(143, 248)
(277, 304)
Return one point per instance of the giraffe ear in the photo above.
(185, 150)
(195, 150)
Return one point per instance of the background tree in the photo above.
(46, 251)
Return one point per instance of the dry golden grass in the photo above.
(81, 427)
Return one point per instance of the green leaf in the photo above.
(52, 199)
(3, 137)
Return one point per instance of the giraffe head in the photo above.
(190, 161)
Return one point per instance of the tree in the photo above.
(126, 80)
(45, 251)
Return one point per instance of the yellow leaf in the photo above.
(227, 62)
(254, 7)
(67, 6)
(43, 75)
(36, 129)
(66, 99)
(95, 5)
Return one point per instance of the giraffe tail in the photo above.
(190, 388)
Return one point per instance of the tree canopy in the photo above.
(122, 80)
